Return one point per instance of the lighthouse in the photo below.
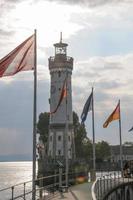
(61, 135)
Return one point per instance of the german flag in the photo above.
(115, 115)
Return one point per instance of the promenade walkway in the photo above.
(77, 192)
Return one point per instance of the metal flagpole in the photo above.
(66, 136)
(93, 130)
(121, 158)
(34, 122)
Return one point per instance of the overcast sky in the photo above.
(100, 38)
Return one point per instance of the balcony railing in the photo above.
(61, 62)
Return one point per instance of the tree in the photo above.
(79, 135)
(43, 126)
(87, 149)
(102, 151)
(82, 143)
(128, 143)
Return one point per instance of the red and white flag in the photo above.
(63, 95)
(20, 59)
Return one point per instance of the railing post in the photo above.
(114, 179)
(60, 178)
(55, 180)
(98, 185)
(103, 185)
(107, 182)
(101, 188)
(123, 178)
(118, 178)
(24, 190)
(110, 181)
(40, 185)
(12, 192)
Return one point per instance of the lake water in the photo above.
(12, 173)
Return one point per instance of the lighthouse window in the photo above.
(59, 74)
(69, 138)
(70, 152)
(49, 100)
(51, 138)
(59, 138)
(59, 152)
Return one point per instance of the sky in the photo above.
(100, 38)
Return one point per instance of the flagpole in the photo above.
(34, 122)
(121, 158)
(93, 132)
(66, 136)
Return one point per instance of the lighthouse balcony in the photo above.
(60, 61)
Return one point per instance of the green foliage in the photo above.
(128, 143)
(43, 126)
(83, 145)
(87, 149)
(102, 151)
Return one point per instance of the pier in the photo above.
(106, 187)
(77, 192)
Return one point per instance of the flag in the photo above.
(63, 94)
(20, 59)
(87, 108)
(114, 116)
(131, 129)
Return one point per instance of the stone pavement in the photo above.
(77, 192)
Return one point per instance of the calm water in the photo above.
(12, 173)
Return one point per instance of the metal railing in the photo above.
(24, 190)
(106, 183)
(46, 187)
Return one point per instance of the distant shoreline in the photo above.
(15, 158)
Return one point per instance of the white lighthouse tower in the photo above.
(61, 122)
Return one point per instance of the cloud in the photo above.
(111, 77)
(8, 5)
(94, 3)
(99, 35)
(16, 119)
(6, 32)
(12, 139)
(108, 75)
